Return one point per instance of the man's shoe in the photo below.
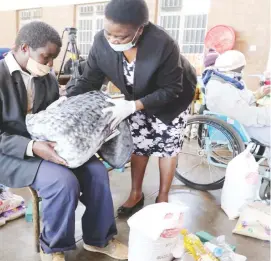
(52, 257)
(114, 249)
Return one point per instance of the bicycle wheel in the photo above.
(209, 145)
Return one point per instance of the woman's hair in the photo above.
(132, 12)
(37, 34)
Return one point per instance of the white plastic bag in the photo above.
(240, 185)
(154, 232)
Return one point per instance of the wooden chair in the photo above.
(36, 218)
(36, 215)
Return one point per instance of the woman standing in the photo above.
(144, 62)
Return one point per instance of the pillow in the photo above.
(79, 128)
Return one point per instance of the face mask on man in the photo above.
(37, 69)
(124, 47)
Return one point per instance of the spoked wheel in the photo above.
(209, 145)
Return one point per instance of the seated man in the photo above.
(227, 94)
(26, 86)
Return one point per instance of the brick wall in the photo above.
(249, 18)
(251, 21)
(8, 27)
(59, 17)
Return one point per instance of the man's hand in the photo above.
(266, 90)
(263, 91)
(45, 150)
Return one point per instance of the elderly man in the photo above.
(226, 93)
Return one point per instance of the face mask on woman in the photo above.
(124, 47)
(37, 69)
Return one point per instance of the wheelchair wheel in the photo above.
(265, 190)
(208, 147)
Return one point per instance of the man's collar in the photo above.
(12, 64)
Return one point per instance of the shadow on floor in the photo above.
(16, 238)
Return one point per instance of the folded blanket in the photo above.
(79, 128)
(8, 200)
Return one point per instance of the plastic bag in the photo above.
(155, 231)
(254, 221)
(240, 185)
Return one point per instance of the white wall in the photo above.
(26, 4)
(196, 7)
(268, 68)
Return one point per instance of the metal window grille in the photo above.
(194, 33)
(90, 19)
(170, 4)
(27, 16)
(187, 25)
(172, 24)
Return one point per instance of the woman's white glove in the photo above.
(120, 111)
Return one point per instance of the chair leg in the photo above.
(36, 218)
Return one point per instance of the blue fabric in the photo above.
(60, 189)
(207, 75)
(3, 51)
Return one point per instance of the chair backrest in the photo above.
(235, 124)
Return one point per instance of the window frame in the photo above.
(181, 13)
(21, 22)
(94, 20)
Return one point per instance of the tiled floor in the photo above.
(16, 240)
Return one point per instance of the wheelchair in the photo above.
(211, 141)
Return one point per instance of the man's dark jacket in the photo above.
(16, 169)
(164, 80)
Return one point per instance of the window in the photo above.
(27, 16)
(186, 28)
(194, 33)
(90, 20)
(170, 4)
(186, 22)
(172, 24)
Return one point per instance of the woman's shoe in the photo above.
(156, 200)
(127, 212)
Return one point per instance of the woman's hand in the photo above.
(62, 91)
(46, 151)
(120, 111)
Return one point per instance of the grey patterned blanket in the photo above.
(80, 130)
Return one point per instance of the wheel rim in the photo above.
(207, 149)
